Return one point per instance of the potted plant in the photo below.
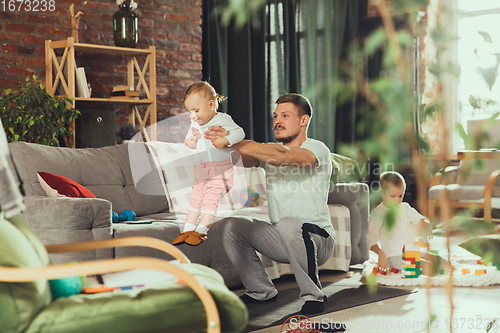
(32, 115)
(127, 131)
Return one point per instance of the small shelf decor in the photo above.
(141, 77)
(125, 24)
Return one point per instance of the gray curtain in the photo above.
(306, 42)
(295, 47)
(234, 63)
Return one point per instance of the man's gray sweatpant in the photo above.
(294, 241)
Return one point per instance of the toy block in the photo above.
(415, 254)
(412, 269)
(411, 261)
(421, 243)
(249, 198)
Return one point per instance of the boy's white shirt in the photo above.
(205, 149)
(391, 242)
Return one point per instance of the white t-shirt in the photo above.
(294, 191)
(392, 241)
(205, 149)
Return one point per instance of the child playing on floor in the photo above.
(388, 242)
(214, 175)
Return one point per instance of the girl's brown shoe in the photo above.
(180, 238)
(195, 238)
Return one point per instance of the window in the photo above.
(478, 55)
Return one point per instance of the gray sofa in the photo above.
(106, 173)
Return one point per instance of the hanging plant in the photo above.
(32, 115)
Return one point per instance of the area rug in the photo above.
(467, 273)
(340, 297)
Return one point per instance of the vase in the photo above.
(125, 23)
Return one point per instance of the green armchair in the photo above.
(200, 301)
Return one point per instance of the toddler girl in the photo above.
(214, 175)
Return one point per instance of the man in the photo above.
(297, 173)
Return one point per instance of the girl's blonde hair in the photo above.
(207, 90)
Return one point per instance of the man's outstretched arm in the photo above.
(276, 154)
(253, 152)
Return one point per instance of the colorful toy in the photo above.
(420, 242)
(411, 261)
(65, 287)
(249, 198)
(127, 215)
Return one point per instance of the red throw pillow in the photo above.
(64, 186)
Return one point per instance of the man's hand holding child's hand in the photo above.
(220, 142)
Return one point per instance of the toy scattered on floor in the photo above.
(127, 215)
(476, 272)
(376, 270)
(249, 198)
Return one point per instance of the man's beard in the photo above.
(288, 139)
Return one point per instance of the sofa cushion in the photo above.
(344, 169)
(21, 302)
(476, 172)
(56, 186)
(103, 171)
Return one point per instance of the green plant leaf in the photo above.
(32, 115)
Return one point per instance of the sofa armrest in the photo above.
(355, 197)
(69, 220)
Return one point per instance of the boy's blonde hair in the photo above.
(393, 178)
(207, 90)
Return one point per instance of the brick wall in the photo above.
(173, 26)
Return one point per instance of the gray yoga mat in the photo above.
(340, 297)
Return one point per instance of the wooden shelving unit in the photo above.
(136, 77)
